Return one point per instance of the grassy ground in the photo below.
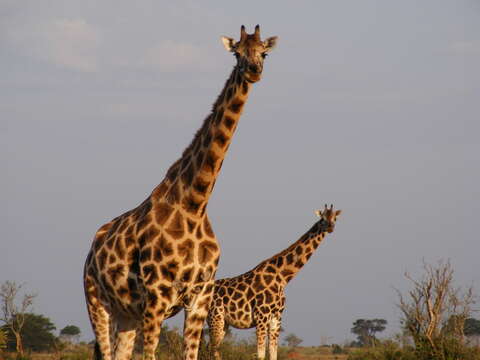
(85, 353)
(312, 353)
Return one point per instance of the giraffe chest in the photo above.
(148, 265)
(185, 261)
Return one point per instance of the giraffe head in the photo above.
(328, 217)
(250, 52)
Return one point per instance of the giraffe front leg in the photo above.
(151, 336)
(273, 333)
(125, 338)
(195, 315)
(261, 332)
(153, 317)
(216, 325)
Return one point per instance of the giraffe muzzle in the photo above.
(252, 77)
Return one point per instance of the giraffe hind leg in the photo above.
(217, 328)
(100, 320)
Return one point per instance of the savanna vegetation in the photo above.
(437, 320)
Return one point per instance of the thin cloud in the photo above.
(73, 44)
(170, 56)
(465, 48)
(69, 43)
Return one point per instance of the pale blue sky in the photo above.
(370, 105)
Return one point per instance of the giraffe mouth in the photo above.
(251, 77)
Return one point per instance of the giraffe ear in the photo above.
(338, 212)
(318, 213)
(270, 43)
(229, 43)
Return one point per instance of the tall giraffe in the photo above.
(147, 264)
(257, 298)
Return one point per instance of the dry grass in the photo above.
(312, 353)
(299, 353)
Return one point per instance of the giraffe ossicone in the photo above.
(257, 298)
(151, 262)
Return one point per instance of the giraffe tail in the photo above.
(97, 354)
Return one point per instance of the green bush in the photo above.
(451, 349)
(3, 340)
(447, 349)
(337, 349)
(388, 350)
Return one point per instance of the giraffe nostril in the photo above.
(253, 68)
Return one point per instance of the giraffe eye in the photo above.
(236, 54)
(264, 55)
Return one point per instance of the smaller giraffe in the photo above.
(256, 298)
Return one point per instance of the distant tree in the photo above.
(292, 340)
(13, 315)
(36, 333)
(472, 331)
(325, 340)
(365, 329)
(70, 333)
(472, 327)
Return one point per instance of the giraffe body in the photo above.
(256, 298)
(161, 257)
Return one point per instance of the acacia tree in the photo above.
(292, 340)
(13, 315)
(365, 330)
(70, 333)
(434, 310)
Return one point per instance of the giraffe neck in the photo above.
(190, 180)
(289, 262)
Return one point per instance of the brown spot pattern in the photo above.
(201, 186)
(229, 122)
(187, 175)
(236, 105)
(221, 139)
(176, 227)
(206, 250)
(162, 213)
(244, 87)
(210, 162)
(164, 246)
(185, 250)
(208, 228)
(190, 204)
